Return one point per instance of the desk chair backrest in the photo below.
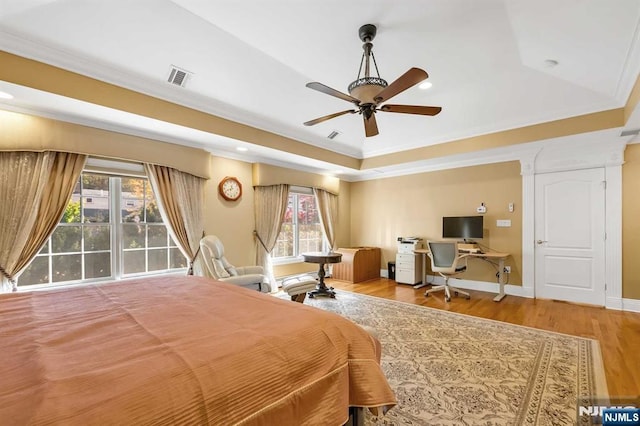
(444, 256)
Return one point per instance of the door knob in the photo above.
(540, 242)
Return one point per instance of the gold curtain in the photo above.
(270, 205)
(181, 201)
(34, 190)
(65, 171)
(328, 208)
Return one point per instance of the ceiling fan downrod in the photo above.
(367, 87)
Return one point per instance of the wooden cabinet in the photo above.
(358, 264)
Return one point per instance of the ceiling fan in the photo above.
(368, 93)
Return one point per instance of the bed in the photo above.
(181, 350)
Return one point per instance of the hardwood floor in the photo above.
(618, 332)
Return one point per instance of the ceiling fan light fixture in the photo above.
(367, 88)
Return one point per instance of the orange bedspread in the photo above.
(180, 350)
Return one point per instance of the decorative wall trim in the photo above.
(613, 230)
(527, 168)
(607, 153)
(31, 49)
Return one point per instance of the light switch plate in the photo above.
(505, 223)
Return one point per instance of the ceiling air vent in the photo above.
(178, 76)
(633, 132)
(333, 134)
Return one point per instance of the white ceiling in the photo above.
(251, 59)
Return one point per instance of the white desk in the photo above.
(500, 257)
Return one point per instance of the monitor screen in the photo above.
(462, 227)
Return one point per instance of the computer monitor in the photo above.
(462, 227)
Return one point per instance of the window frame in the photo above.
(116, 239)
(297, 257)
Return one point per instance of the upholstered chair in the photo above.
(218, 267)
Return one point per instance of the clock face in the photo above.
(230, 188)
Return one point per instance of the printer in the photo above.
(409, 244)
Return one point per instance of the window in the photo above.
(301, 228)
(106, 212)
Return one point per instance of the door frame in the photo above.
(575, 154)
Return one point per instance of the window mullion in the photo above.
(115, 188)
(296, 227)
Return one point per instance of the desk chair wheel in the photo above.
(447, 299)
(455, 292)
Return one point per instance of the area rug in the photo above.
(454, 369)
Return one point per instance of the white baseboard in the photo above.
(631, 305)
(614, 303)
(513, 290)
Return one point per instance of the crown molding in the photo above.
(96, 69)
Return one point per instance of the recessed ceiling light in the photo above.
(550, 63)
(5, 95)
(242, 149)
(426, 85)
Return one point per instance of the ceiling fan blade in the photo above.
(411, 109)
(329, 117)
(332, 92)
(370, 125)
(402, 83)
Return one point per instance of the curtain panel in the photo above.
(328, 207)
(270, 206)
(181, 202)
(35, 188)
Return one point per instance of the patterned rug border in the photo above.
(467, 315)
(600, 380)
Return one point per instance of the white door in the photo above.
(570, 236)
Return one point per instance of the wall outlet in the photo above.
(503, 223)
(507, 269)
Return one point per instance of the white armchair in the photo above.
(218, 267)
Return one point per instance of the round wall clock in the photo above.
(230, 188)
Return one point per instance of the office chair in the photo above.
(445, 260)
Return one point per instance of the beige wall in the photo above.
(372, 213)
(231, 221)
(266, 175)
(631, 222)
(30, 133)
(384, 209)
